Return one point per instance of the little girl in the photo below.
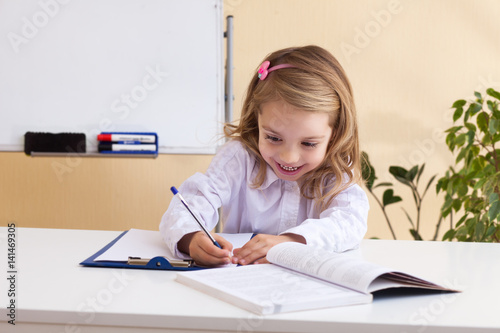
(289, 172)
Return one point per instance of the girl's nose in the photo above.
(289, 156)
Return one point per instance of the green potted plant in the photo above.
(472, 187)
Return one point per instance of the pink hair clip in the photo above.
(264, 69)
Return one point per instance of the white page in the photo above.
(149, 244)
(270, 289)
(137, 243)
(343, 270)
(238, 240)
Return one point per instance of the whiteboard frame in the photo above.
(7, 116)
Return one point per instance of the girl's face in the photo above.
(292, 141)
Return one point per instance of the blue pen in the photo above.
(175, 192)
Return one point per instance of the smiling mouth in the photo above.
(287, 168)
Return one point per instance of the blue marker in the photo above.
(175, 192)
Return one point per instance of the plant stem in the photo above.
(437, 228)
(418, 204)
(385, 214)
(418, 217)
(389, 223)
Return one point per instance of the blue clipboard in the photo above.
(156, 263)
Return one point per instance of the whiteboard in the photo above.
(92, 66)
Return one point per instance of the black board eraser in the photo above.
(54, 142)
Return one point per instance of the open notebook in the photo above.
(301, 277)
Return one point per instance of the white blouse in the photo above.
(274, 208)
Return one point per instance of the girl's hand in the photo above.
(199, 247)
(255, 250)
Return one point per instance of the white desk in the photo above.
(55, 294)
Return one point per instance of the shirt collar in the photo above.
(271, 178)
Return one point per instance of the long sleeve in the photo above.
(341, 226)
(205, 194)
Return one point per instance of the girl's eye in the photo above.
(272, 138)
(310, 144)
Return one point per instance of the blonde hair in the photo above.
(315, 83)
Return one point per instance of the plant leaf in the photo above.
(462, 219)
(382, 184)
(491, 230)
(470, 137)
(482, 121)
(493, 126)
(460, 140)
(493, 93)
(420, 172)
(454, 129)
(479, 231)
(415, 234)
(389, 197)
(429, 184)
(493, 197)
(462, 190)
(480, 184)
(466, 115)
(412, 173)
(492, 105)
(461, 154)
(460, 103)
(398, 171)
(409, 218)
(457, 114)
(447, 205)
(441, 184)
(457, 203)
(494, 210)
(449, 235)
(471, 126)
(400, 174)
(450, 141)
(367, 170)
(474, 108)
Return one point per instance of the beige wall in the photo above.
(91, 193)
(408, 62)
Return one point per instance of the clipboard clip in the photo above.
(159, 262)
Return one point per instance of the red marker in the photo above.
(143, 138)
